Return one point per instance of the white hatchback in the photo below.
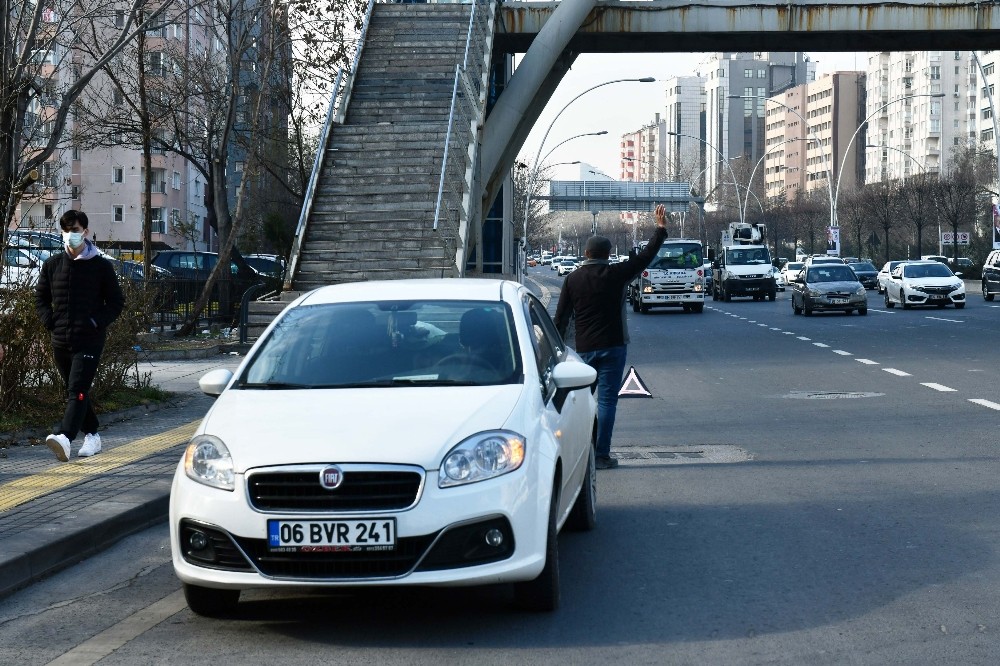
(410, 432)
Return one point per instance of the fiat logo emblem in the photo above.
(331, 477)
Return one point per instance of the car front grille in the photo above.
(364, 488)
(944, 291)
(338, 565)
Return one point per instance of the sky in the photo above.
(623, 107)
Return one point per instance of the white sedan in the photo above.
(924, 283)
(410, 432)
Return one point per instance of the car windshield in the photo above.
(748, 256)
(840, 273)
(863, 266)
(678, 255)
(793, 266)
(926, 271)
(388, 343)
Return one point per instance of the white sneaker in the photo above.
(91, 445)
(59, 445)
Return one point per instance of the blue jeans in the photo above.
(610, 365)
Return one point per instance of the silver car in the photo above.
(822, 287)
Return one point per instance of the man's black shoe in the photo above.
(606, 462)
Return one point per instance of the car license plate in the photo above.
(838, 301)
(325, 536)
(753, 289)
(936, 297)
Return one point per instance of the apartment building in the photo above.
(99, 167)
(920, 105)
(814, 138)
(982, 94)
(641, 155)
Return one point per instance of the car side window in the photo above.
(545, 342)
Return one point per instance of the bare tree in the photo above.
(882, 203)
(918, 205)
(967, 174)
(50, 53)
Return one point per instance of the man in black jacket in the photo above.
(594, 294)
(77, 298)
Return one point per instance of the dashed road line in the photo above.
(802, 337)
(842, 352)
(866, 361)
(985, 403)
(821, 345)
(898, 373)
(954, 321)
(937, 387)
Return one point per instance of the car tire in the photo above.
(959, 306)
(862, 311)
(541, 595)
(986, 293)
(807, 310)
(771, 296)
(583, 515)
(902, 301)
(635, 304)
(888, 303)
(795, 309)
(698, 307)
(726, 296)
(210, 602)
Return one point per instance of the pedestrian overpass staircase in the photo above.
(391, 195)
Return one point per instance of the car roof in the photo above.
(460, 289)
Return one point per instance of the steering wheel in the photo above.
(468, 360)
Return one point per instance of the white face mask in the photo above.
(73, 238)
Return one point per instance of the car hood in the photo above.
(841, 286)
(377, 425)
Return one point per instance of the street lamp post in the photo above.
(538, 159)
(863, 123)
(739, 204)
(819, 144)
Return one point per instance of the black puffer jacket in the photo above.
(77, 299)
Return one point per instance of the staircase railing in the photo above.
(340, 97)
(465, 116)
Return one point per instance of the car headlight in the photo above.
(483, 456)
(861, 291)
(207, 461)
(815, 293)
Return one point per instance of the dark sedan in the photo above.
(866, 272)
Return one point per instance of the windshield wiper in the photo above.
(274, 385)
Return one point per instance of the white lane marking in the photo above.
(954, 321)
(820, 344)
(937, 387)
(789, 333)
(762, 325)
(842, 352)
(751, 321)
(898, 373)
(882, 311)
(112, 638)
(985, 403)
(866, 361)
(775, 329)
(802, 337)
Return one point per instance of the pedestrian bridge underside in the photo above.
(552, 34)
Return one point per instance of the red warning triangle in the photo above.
(633, 387)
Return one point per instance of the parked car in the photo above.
(922, 282)
(990, 282)
(822, 259)
(390, 433)
(44, 240)
(867, 274)
(934, 257)
(706, 268)
(267, 264)
(883, 275)
(826, 287)
(20, 268)
(197, 266)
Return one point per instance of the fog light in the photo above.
(494, 537)
(197, 541)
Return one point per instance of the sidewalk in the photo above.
(52, 514)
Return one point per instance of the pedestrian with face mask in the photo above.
(77, 298)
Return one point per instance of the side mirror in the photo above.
(215, 382)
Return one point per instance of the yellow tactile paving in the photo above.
(62, 475)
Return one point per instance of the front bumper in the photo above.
(440, 538)
(913, 297)
(835, 302)
(750, 286)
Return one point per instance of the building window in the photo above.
(119, 18)
(175, 181)
(158, 222)
(935, 72)
(74, 192)
(762, 73)
(118, 175)
(118, 214)
(748, 73)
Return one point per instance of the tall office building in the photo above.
(684, 150)
(920, 106)
(737, 87)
